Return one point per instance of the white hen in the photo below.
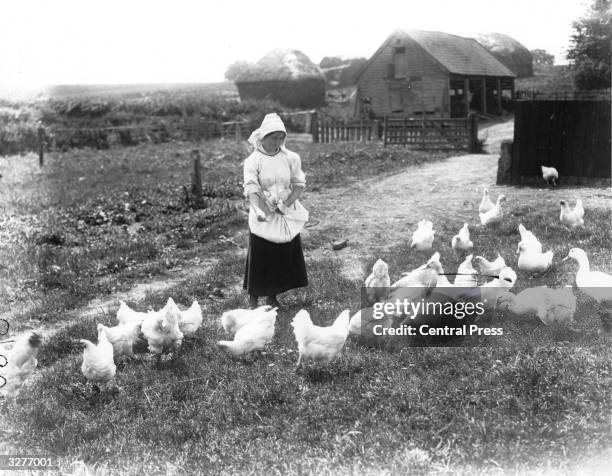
(98, 364)
(491, 291)
(529, 239)
(532, 261)
(234, 319)
(552, 306)
(190, 319)
(550, 174)
(161, 329)
(122, 337)
(252, 336)
(461, 241)
(317, 343)
(126, 315)
(491, 267)
(466, 274)
(422, 238)
(378, 282)
(572, 217)
(20, 363)
(485, 204)
(495, 215)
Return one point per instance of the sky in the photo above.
(132, 41)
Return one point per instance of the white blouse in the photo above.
(267, 174)
(262, 171)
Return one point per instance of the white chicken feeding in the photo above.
(533, 261)
(466, 274)
(495, 215)
(21, 361)
(550, 174)
(552, 306)
(122, 337)
(572, 217)
(529, 239)
(461, 241)
(378, 282)
(98, 364)
(190, 319)
(491, 268)
(485, 204)
(253, 335)
(491, 291)
(161, 329)
(126, 315)
(234, 319)
(422, 238)
(435, 264)
(317, 343)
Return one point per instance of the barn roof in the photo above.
(282, 64)
(456, 54)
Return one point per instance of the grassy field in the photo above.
(539, 403)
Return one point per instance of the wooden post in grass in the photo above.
(196, 177)
(41, 143)
(473, 133)
(314, 126)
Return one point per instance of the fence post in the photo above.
(473, 134)
(196, 178)
(41, 144)
(385, 130)
(314, 126)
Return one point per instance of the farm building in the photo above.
(509, 52)
(432, 74)
(287, 76)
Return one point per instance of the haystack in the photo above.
(287, 76)
(509, 52)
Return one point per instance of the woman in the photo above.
(273, 182)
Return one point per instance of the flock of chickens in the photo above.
(253, 329)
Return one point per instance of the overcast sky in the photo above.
(133, 41)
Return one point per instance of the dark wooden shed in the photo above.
(431, 74)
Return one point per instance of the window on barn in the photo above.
(400, 62)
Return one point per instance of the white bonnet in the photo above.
(271, 123)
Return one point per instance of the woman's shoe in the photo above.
(272, 301)
(253, 302)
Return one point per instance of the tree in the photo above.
(235, 69)
(589, 52)
(542, 58)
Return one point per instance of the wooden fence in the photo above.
(330, 130)
(432, 133)
(572, 136)
(535, 95)
(419, 133)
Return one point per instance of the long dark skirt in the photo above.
(273, 268)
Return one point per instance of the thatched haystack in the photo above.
(287, 76)
(509, 52)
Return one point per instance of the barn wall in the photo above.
(424, 90)
(301, 93)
